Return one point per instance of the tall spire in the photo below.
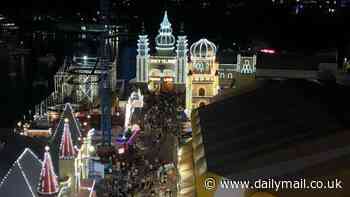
(165, 23)
(143, 29)
(48, 183)
(181, 52)
(165, 39)
(182, 28)
(67, 150)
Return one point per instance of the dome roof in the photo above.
(203, 49)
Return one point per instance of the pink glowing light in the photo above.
(269, 51)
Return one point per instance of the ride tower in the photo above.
(104, 86)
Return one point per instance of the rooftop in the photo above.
(23, 177)
(74, 128)
(13, 147)
(276, 115)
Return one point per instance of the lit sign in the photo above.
(163, 61)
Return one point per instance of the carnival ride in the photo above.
(131, 131)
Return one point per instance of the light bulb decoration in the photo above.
(68, 108)
(165, 40)
(48, 182)
(21, 165)
(67, 150)
(203, 49)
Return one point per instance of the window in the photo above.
(201, 92)
(222, 75)
(230, 76)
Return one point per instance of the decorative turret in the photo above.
(165, 40)
(143, 45)
(204, 69)
(182, 46)
(143, 29)
(67, 150)
(189, 91)
(142, 56)
(48, 183)
(182, 58)
(246, 64)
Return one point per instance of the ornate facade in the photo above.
(202, 79)
(167, 65)
(197, 72)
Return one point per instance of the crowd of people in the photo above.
(140, 173)
(161, 112)
(139, 177)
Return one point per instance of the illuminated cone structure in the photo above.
(67, 155)
(48, 183)
(68, 117)
(67, 150)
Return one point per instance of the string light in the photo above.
(48, 174)
(67, 150)
(203, 49)
(68, 105)
(18, 163)
(165, 39)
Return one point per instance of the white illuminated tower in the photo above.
(202, 80)
(182, 59)
(165, 40)
(142, 58)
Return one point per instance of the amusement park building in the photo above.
(194, 70)
(67, 169)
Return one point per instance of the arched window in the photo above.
(201, 92)
(230, 76)
(222, 75)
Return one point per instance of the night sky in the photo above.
(226, 21)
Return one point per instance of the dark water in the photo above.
(18, 95)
